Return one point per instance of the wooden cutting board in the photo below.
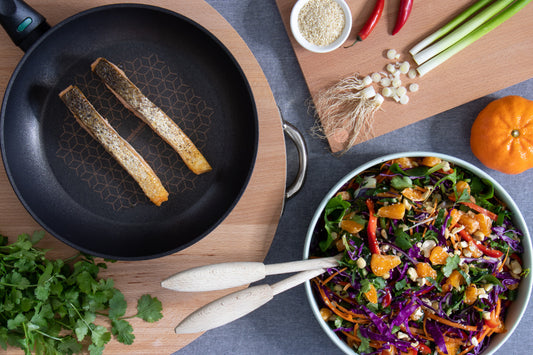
(500, 59)
(245, 235)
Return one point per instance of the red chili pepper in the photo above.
(371, 22)
(405, 10)
(371, 228)
(487, 251)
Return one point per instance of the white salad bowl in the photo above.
(517, 308)
(295, 29)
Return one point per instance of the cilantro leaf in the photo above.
(452, 263)
(402, 239)
(81, 329)
(100, 336)
(364, 347)
(117, 305)
(96, 350)
(149, 309)
(123, 331)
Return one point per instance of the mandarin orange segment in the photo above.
(425, 270)
(455, 215)
(461, 186)
(455, 280)
(339, 244)
(396, 211)
(485, 223)
(381, 264)
(438, 255)
(351, 227)
(372, 294)
(471, 224)
(406, 162)
(470, 294)
(431, 161)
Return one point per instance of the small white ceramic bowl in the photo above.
(517, 308)
(311, 46)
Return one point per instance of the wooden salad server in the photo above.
(232, 274)
(238, 304)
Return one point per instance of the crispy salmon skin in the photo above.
(100, 129)
(134, 100)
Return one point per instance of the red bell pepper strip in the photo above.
(481, 210)
(423, 349)
(487, 251)
(477, 208)
(371, 228)
(387, 299)
(371, 22)
(405, 10)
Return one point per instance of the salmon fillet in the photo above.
(134, 100)
(100, 129)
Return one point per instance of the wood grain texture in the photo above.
(500, 59)
(245, 235)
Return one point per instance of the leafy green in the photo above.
(402, 239)
(149, 309)
(364, 347)
(452, 263)
(401, 182)
(333, 213)
(52, 306)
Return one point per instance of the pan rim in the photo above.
(243, 81)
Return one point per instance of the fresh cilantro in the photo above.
(52, 306)
(466, 276)
(452, 263)
(379, 283)
(364, 347)
(149, 309)
(400, 285)
(402, 239)
(463, 197)
(365, 285)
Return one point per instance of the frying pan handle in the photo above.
(22, 23)
(293, 133)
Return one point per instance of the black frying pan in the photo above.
(63, 177)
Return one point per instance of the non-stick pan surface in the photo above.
(73, 187)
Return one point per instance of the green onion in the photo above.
(461, 32)
(448, 27)
(444, 53)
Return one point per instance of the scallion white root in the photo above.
(345, 111)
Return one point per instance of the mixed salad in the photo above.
(430, 260)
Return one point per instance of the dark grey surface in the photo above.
(286, 324)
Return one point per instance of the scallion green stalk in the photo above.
(472, 36)
(462, 31)
(441, 32)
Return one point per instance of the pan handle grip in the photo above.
(293, 133)
(22, 23)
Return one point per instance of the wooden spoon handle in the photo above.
(238, 304)
(227, 275)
